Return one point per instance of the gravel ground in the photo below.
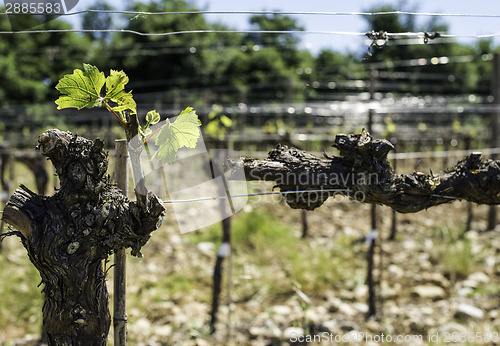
(426, 291)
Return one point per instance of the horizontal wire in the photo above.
(201, 199)
(245, 12)
(444, 196)
(252, 195)
(344, 33)
(140, 33)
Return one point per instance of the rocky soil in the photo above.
(417, 295)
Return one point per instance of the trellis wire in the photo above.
(140, 33)
(183, 32)
(253, 195)
(276, 193)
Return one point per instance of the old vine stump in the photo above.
(68, 235)
(363, 173)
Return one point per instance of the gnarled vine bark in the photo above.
(68, 235)
(363, 172)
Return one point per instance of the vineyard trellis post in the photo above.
(6, 160)
(495, 124)
(305, 226)
(120, 257)
(372, 238)
(470, 212)
(225, 249)
(394, 226)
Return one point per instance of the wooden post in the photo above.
(494, 124)
(373, 214)
(305, 226)
(370, 281)
(418, 149)
(470, 212)
(446, 141)
(7, 162)
(224, 250)
(12, 170)
(120, 271)
(392, 236)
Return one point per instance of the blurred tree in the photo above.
(331, 72)
(31, 64)
(285, 43)
(261, 74)
(271, 66)
(98, 21)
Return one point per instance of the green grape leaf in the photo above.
(152, 117)
(168, 144)
(183, 132)
(81, 89)
(115, 85)
(126, 102)
(96, 77)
